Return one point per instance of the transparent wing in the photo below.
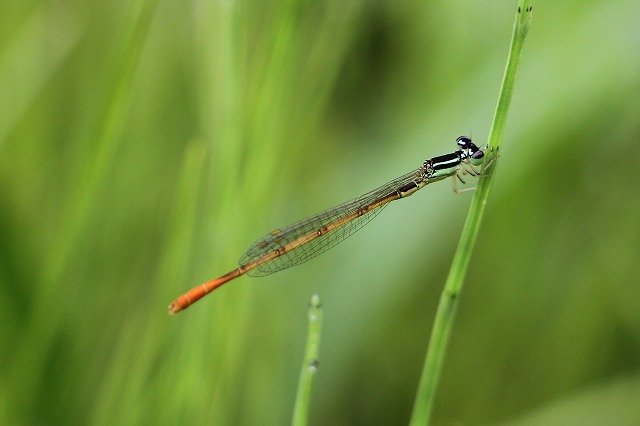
(281, 237)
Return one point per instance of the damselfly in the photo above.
(297, 243)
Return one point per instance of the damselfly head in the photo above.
(474, 152)
(470, 150)
(475, 155)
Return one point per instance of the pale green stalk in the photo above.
(309, 365)
(47, 319)
(448, 300)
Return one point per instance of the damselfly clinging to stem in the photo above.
(307, 238)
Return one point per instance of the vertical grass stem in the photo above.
(445, 314)
(310, 363)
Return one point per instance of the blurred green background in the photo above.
(145, 145)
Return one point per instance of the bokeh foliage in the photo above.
(145, 145)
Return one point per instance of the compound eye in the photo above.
(463, 141)
(477, 155)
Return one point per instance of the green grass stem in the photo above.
(448, 300)
(309, 365)
(80, 206)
